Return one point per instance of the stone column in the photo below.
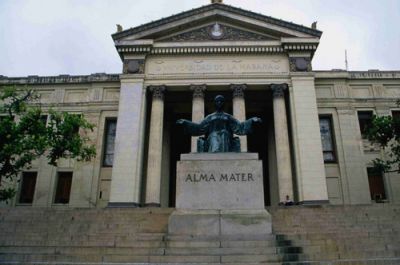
(284, 167)
(154, 165)
(307, 146)
(127, 168)
(197, 109)
(239, 110)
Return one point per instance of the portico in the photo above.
(178, 66)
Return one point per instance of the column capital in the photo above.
(238, 90)
(198, 90)
(158, 91)
(278, 90)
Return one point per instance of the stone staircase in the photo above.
(341, 234)
(302, 235)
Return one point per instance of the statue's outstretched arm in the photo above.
(244, 128)
(191, 128)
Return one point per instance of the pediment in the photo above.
(217, 32)
(194, 25)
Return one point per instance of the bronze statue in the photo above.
(218, 129)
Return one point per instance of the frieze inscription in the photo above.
(166, 67)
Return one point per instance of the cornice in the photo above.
(61, 79)
(217, 48)
(101, 78)
(357, 75)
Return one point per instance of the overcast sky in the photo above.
(52, 37)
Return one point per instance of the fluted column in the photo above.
(284, 168)
(239, 110)
(153, 184)
(197, 109)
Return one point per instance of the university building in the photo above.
(311, 141)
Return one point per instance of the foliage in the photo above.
(25, 136)
(385, 131)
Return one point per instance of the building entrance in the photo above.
(178, 105)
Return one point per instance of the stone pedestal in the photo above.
(220, 196)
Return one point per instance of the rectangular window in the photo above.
(365, 121)
(325, 127)
(63, 188)
(43, 119)
(109, 142)
(396, 114)
(28, 184)
(376, 185)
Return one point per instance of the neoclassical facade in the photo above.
(310, 142)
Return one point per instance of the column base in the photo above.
(123, 205)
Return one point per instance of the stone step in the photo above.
(220, 251)
(136, 263)
(81, 251)
(317, 235)
(217, 251)
(381, 261)
(39, 258)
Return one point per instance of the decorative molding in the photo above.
(278, 90)
(198, 90)
(238, 90)
(204, 50)
(158, 91)
(134, 49)
(374, 74)
(217, 32)
(61, 79)
(363, 75)
(300, 47)
(134, 66)
(300, 64)
(341, 90)
(218, 50)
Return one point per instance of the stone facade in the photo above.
(164, 69)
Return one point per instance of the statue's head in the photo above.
(219, 102)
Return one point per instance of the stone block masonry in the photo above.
(334, 235)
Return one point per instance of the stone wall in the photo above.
(96, 97)
(341, 94)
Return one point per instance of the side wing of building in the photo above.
(346, 103)
(72, 183)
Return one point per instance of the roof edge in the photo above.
(60, 79)
(224, 7)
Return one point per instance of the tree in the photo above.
(25, 136)
(385, 131)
